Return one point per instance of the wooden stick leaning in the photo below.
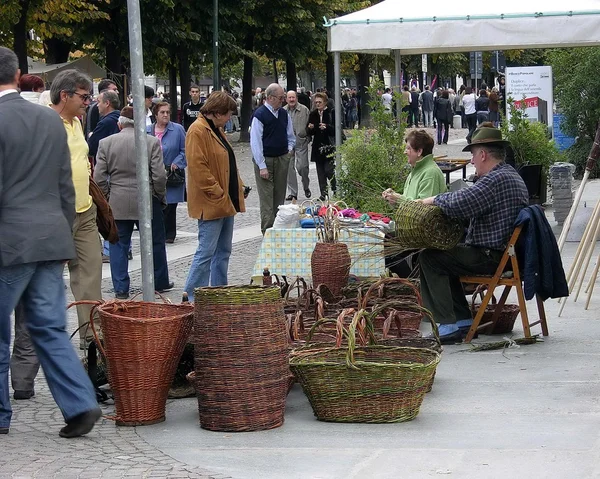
(588, 256)
(590, 287)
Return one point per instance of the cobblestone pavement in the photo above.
(33, 447)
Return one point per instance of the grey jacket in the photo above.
(115, 172)
(37, 198)
(299, 116)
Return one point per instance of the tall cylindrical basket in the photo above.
(142, 343)
(241, 357)
(330, 265)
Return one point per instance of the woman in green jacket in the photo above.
(426, 179)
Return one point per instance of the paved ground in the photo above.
(530, 412)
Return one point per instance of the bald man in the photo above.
(272, 141)
(299, 162)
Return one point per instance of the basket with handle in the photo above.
(506, 316)
(241, 357)
(366, 382)
(142, 343)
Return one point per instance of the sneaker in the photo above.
(449, 334)
(169, 287)
(81, 424)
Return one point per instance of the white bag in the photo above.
(288, 216)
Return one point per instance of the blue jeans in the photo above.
(119, 262)
(211, 259)
(42, 290)
(228, 126)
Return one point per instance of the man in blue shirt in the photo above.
(491, 205)
(272, 141)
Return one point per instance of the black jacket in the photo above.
(539, 258)
(442, 110)
(321, 137)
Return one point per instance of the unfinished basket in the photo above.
(142, 343)
(241, 357)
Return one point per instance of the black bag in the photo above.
(175, 177)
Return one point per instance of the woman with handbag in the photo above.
(172, 141)
(321, 127)
(215, 192)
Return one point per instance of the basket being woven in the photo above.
(241, 357)
(142, 343)
(424, 226)
(364, 384)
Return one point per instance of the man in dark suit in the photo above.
(37, 210)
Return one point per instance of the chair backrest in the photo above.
(510, 254)
(532, 176)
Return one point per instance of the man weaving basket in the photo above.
(491, 205)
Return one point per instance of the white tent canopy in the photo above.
(409, 28)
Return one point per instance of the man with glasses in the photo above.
(272, 141)
(70, 96)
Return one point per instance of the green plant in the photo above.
(373, 160)
(529, 140)
(578, 154)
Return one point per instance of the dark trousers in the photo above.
(441, 289)
(326, 171)
(442, 126)
(471, 125)
(119, 262)
(413, 116)
(170, 220)
(24, 364)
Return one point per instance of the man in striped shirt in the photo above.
(491, 206)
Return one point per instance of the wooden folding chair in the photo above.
(508, 280)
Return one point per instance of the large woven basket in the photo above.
(241, 357)
(424, 226)
(142, 343)
(364, 384)
(330, 265)
(506, 316)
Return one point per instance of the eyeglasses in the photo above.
(84, 97)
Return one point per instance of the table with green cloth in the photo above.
(287, 252)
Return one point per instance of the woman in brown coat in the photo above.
(215, 192)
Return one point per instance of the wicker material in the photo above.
(143, 343)
(241, 357)
(424, 226)
(330, 265)
(384, 290)
(506, 318)
(365, 384)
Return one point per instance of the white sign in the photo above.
(424, 62)
(535, 84)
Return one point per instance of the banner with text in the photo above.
(535, 84)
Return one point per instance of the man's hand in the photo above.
(311, 126)
(264, 173)
(174, 167)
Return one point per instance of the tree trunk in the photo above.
(19, 31)
(56, 50)
(115, 63)
(363, 81)
(329, 81)
(290, 71)
(247, 91)
(173, 87)
(184, 75)
(275, 72)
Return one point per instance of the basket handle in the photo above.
(383, 281)
(96, 305)
(396, 306)
(479, 291)
(296, 283)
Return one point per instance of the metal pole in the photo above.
(475, 74)
(398, 65)
(338, 102)
(216, 71)
(142, 170)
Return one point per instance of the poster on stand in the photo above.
(535, 84)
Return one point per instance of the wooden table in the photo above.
(449, 165)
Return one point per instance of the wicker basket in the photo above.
(142, 343)
(364, 384)
(506, 318)
(330, 265)
(241, 357)
(423, 226)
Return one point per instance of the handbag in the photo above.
(104, 216)
(175, 177)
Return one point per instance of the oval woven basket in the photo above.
(241, 357)
(424, 226)
(142, 342)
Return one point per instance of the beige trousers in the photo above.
(86, 269)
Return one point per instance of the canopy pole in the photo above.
(142, 168)
(338, 104)
(398, 61)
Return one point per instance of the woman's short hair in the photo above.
(445, 94)
(31, 83)
(420, 140)
(320, 95)
(158, 105)
(218, 102)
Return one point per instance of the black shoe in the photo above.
(81, 424)
(130, 255)
(20, 395)
(307, 193)
(169, 287)
(4, 430)
(122, 295)
(322, 197)
(291, 198)
(170, 240)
